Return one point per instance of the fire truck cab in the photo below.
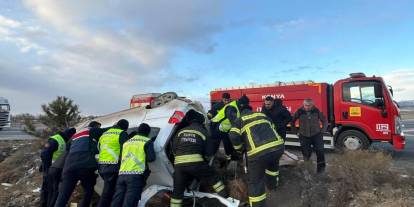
(360, 109)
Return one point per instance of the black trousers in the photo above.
(216, 137)
(53, 179)
(313, 143)
(70, 178)
(128, 190)
(183, 174)
(110, 180)
(44, 191)
(262, 171)
(282, 133)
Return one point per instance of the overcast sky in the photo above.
(101, 52)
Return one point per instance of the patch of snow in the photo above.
(7, 184)
(37, 190)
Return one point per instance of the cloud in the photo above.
(7, 22)
(100, 53)
(11, 32)
(285, 26)
(402, 82)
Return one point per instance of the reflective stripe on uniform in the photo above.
(133, 155)
(253, 123)
(254, 149)
(235, 130)
(237, 147)
(111, 153)
(219, 186)
(257, 199)
(176, 202)
(193, 131)
(263, 147)
(109, 147)
(272, 173)
(188, 158)
(251, 116)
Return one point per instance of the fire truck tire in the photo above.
(352, 140)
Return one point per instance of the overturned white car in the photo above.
(164, 116)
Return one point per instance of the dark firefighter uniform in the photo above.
(189, 146)
(109, 159)
(80, 165)
(255, 134)
(220, 126)
(134, 171)
(51, 155)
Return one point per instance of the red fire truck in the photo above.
(360, 109)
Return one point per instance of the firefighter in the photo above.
(51, 152)
(134, 171)
(80, 165)
(310, 132)
(279, 114)
(189, 146)
(254, 134)
(220, 126)
(109, 159)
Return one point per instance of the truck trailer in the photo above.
(360, 109)
(4, 113)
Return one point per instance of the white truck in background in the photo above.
(4, 113)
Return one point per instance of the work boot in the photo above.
(320, 168)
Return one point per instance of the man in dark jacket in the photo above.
(110, 146)
(80, 165)
(254, 134)
(52, 151)
(189, 148)
(311, 132)
(134, 171)
(280, 116)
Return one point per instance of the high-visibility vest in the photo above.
(133, 155)
(221, 118)
(61, 146)
(109, 147)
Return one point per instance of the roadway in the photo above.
(14, 134)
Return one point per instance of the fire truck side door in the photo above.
(363, 105)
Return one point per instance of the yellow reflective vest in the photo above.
(61, 147)
(109, 147)
(133, 155)
(221, 118)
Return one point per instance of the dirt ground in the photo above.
(353, 179)
(19, 176)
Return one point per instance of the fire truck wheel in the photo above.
(353, 140)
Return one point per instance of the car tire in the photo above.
(352, 140)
